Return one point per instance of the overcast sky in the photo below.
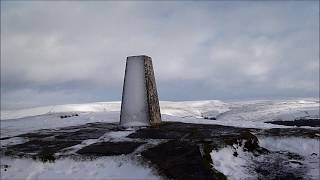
(75, 51)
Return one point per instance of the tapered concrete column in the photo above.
(140, 104)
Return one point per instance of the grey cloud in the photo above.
(60, 52)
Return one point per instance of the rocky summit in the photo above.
(175, 150)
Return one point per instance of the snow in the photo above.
(197, 109)
(117, 167)
(23, 125)
(305, 147)
(232, 167)
(73, 149)
(224, 122)
(116, 136)
(302, 146)
(261, 111)
(134, 108)
(89, 107)
(12, 141)
(255, 111)
(251, 114)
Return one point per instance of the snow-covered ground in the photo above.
(90, 107)
(251, 114)
(111, 167)
(241, 166)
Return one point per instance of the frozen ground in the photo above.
(244, 114)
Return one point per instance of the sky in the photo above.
(75, 51)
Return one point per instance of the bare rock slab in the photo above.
(179, 160)
(36, 146)
(110, 148)
(298, 122)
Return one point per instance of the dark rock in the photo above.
(290, 176)
(177, 130)
(276, 165)
(68, 115)
(298, 122)
(4, 138)
(179, 160)
(249, 142)
(262, 172)
(235, 154)
(97, 125)
(82, 134)
(185, 156)
(46, 155)
(109, 148)
(36, 135)
(292, 155)
(295, 132)
(34, 147)
(314, 154)
(4, 167)
(211, 118)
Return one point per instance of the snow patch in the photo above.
(119, 167)
(233, 167)
(116, 136)
(12, 141)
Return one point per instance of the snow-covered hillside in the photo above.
(244, 110)
(240, 114)
(89, 107)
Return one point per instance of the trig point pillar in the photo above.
(140, 103)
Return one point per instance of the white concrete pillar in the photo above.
(140, 104)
